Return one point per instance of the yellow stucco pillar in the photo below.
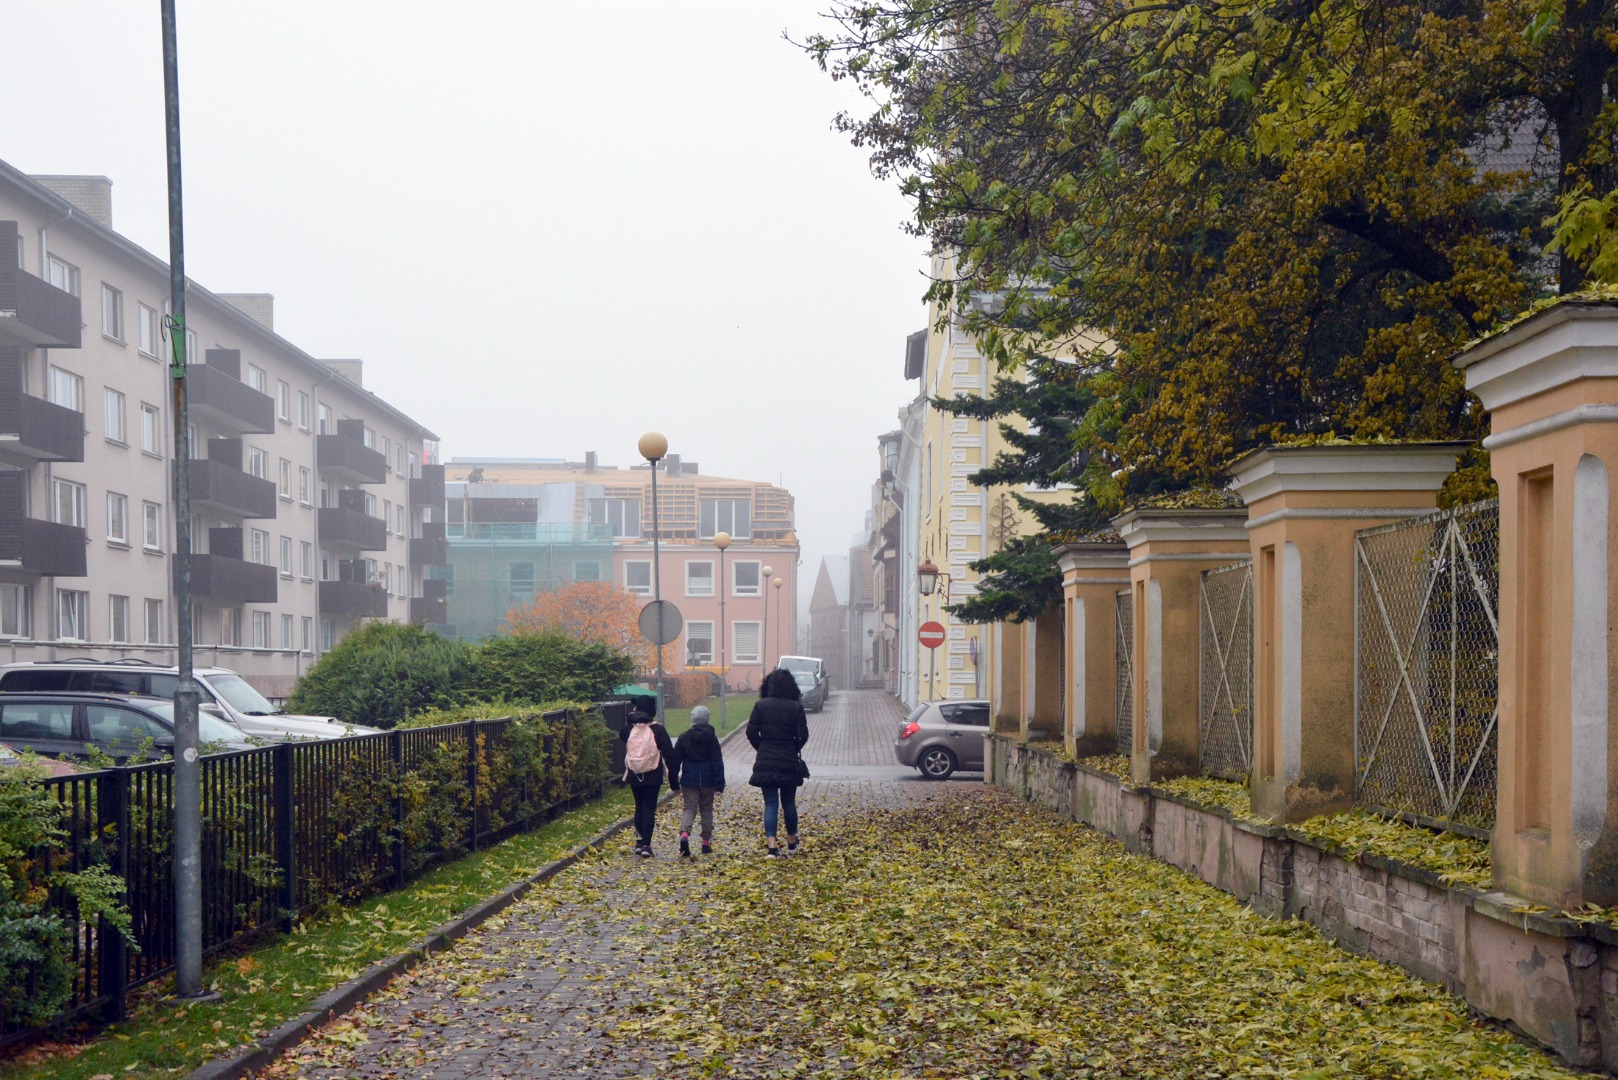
(1168, 551)
(1005, 696)
(1304, 506)
(1092, 576)
(1551, 386)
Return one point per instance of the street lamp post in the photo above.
(777, 584)
(652, 447)
(764, 657)
(927, 581)
(721, 540)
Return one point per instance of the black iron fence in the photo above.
(290, 828)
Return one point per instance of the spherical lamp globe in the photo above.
(652, 446)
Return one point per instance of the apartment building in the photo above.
(315, 505)
(519, 526)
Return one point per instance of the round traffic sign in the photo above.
(931, 634)
(660, 622)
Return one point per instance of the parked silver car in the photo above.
(939, 737)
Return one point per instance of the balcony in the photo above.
(222, 578)
(32, 546)
(340, 526)
(430, 607)
(224, 402)
(34, 312)
(354, 598)
(349, 460)
(34, 430)
(428, 488)
(219, 486)
(431, 548)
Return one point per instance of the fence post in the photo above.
(472, 777)
(1304, 505)
(112, 802)
(396, 752)
(286, 832)
(1092, 574)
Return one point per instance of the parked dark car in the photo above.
(939, 737)
(68, 725)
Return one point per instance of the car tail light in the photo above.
(909, 730)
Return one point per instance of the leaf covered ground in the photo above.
(923, 931)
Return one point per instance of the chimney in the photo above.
(258, 306)
(671, 464)
(589, 461)
(348, 369)
(90, 194)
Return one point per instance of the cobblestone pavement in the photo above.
(536, 991)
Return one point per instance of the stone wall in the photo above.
(1553, 979)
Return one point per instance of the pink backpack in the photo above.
(641, 755)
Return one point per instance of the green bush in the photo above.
(383, 672)
(531, 668)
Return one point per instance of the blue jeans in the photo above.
(787, 797)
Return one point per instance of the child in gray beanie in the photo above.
(702, 776)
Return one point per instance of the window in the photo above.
(191, 353)
(116, 432)
(260, 547)
(286, 556)
(117, 618)
(154, 622)
(745, 638)
(638, 578)
(387, 453)
(230, 627)
(745, 579)
(328, 634)
(399, 515)
(623, 515)
(965, 715)
(283, 480)
(327, 427)
(258, 463)
(306, 560)
(72, 615)
(283, 402)
(399, 459)
(387, 512)
(286, 631)
(151, 429)
(369, 502)
(699, 643)
(150, 330)
(306, 485)
(307, 630)
(586, 571)
(68, 503)
(521, 576)
(699, 579)
(13, 610)
(734, 516)
(64, 275)
(112, 320)
(117, 518)
(303, 411)
(387, 578)
(402, 580)
(152, 526)
(67, 389)
(258, 378)
(261, 629)
(367, 438)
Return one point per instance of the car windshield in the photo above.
(796, 664)
(804, 678)
(241, 695)
(209, 727)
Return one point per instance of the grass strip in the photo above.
(266, 986)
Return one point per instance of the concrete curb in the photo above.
(340, 999)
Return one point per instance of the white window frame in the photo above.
(66, 389)
(151, 430)
(736, 587)
(692, 635)
(306, 485)
(152, 613)
(62, 274)
(258, 462)
(74, 510)
(117, 518)
(258, 379)
(693, 583)
(522, 589)
(737, 640)
(259, 546)
(151, 331)
(72, 615)
(612, 513)
(261, 629)
(706, 528)
(635, 564)
(113, 416)
(306, 560)
(306, 629)
(283, 480)
(112, 314)
(303, 410)
(286, 632)
(117, 618)
(14, 610)
(283, 401)
(286, 556)
(151, 520)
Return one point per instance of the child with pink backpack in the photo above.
(647, 750)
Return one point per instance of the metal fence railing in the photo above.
(288, 828)
(1427, 647)
(1124, 713)
(1225, 711)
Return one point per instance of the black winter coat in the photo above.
(702, 759)
(665, 750)
(778, 730)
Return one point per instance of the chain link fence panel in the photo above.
(1124, 620)
(1225, 714)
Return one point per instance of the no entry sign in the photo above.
(931, 634)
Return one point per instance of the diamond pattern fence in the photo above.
(1427, 636)
(1225, 715)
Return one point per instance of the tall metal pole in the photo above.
(722, 541)
(187, 768)
(657, 591)
(764, 658)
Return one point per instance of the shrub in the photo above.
(531, 668)
(686, 689)
(383, 672)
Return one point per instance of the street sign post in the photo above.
(931, 634)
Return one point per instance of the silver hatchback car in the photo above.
(939, 737)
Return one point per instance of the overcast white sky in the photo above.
(545, 227)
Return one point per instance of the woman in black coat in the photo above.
(778, 730)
